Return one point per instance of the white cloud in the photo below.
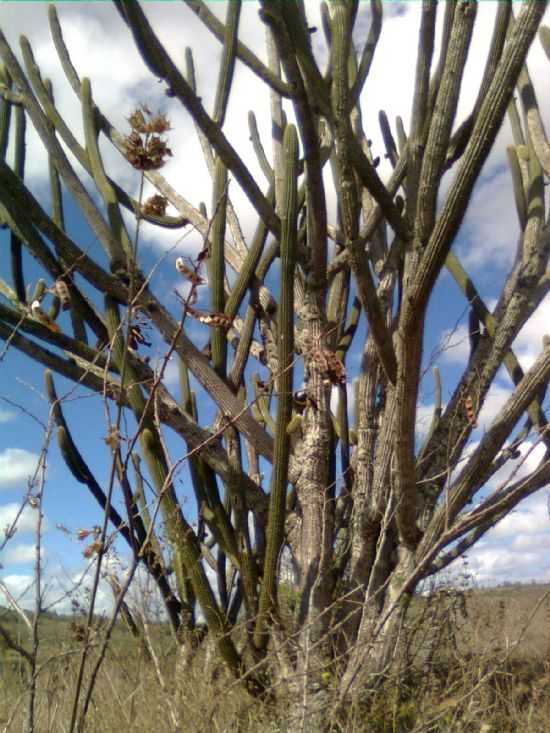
(25, 523)
(528, 344)
(455, 345)
(6, 416)
(19, 554)
(16, 466)
(494, 402)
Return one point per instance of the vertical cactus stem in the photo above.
(277, 500)
(58, 217)
(55, 184)
(216, 266)
(204, 480)
(53, 310)
(256, 141)
(229, 56)
(544, 38)
(19, 169)
(122, 257)
(325, 21)
(387, 136)
(249, 265)
(436, 415)
(183, 540)
(515, 123)
(519, 190)
(347, 336)
(144, 509)
(62, 52)
(5, 113)
(401, 135)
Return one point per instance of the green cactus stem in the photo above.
(19, 170)
(277, 499)
(182, 538)
(387, 136)
(544, 38)
(401, 135)
(256, 141)
(89, 117)
(216, 266)
(227, 64)
(205, 483)
(249, 265)
(5, 113)
(55, 306)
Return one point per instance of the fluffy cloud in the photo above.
(6, 416)
(16, 465)
(26, 521)
(19, 554)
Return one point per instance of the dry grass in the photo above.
(461, 671)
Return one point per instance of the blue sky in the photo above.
(102, 49)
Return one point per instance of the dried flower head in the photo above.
(210, 319)
(155, 205)
(145, 149)
(93, 549)
(188, 272)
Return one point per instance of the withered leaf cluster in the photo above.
(145, 148)
(155, 205)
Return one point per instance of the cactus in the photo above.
(277, 499)
(89, 117)
(5, 113)
(519, 190)
(227, 64)
(216, 266)
(259, 148)
(19, 170)
(181, 537)
(387, 136)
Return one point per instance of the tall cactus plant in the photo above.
(287, 484)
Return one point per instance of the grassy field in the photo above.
(477, 661)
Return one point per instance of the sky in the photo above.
(102, 49)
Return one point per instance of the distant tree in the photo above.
(361, 512)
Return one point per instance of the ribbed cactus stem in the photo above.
(89, 118)
(255, 139)
(182, 538)
(347, 337)
(216, 266)
(247, 271)
(276, 520)
(229, 56)
(401, 135)
(53, 310)
(387, 136)
(19, 170)
(57, 216)
(205, 484)
(544, 37)
(5, 113)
